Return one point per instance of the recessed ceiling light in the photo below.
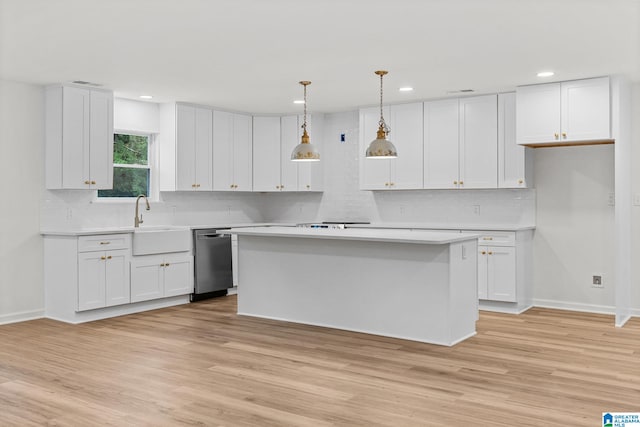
(405, 89)
(545, 73)
(146, 97)
(299, 101)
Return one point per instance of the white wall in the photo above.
(342, 200)
(635, 189)
(135, 116)
(574, 237)
(21, 186)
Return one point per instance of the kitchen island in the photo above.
(409, 284)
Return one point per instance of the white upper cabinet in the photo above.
(266, 153)
(478, 142)
(515, 162)
(563, 113)
(79, 138)
(185, 143)
(441, 144)
(461, 143)
(405, 172)
(274, 139)
(232, 155)
(194, 136)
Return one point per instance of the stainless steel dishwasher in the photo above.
(212, 255)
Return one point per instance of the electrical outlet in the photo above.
(597, 282)
(612, 199)
(476, 209)
(636, 199)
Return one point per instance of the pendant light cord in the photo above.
(381, 122)
(304, 124)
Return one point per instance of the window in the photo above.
(131, 166)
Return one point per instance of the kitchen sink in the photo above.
(161, 239)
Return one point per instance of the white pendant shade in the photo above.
(305, 151)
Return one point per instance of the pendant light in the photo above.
(305, 151)
(381, 147)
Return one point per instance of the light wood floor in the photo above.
(200, 364)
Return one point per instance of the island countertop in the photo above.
(375, 235)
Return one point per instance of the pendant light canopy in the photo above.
(381, 147)
(305, 151)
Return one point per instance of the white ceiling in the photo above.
(249, 55)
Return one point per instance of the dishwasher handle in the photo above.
(211, 236)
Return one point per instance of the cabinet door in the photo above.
(538, 113)
(242, 153)
(501, 274)
(75, 138)
(101, 140)
(266, 154)
(585, 110)
(441, 144)
(203, 145)
(374, 173)
(482, 272)
(91, 280)
(478, 142)
(178, 275)
(222, 151)
(234, 259)
(117, 289)
(146, 278)
(288, 141)
(185, 148)
(406, 170)
(511, 156)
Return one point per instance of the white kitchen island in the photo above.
(410, 284)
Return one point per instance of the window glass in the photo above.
(131, 171)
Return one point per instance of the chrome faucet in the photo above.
(138, 220)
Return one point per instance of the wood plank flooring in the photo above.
(201, 364)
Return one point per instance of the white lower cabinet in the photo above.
(103, 279)
(103, 275)
(159, 276)
(504, 270)
(497, 273)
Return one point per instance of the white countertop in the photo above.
(376, 235)
(428, 226)
(131, 229)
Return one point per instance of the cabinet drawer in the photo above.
(104, 242)
(495, 238)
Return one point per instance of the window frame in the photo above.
(152, 165)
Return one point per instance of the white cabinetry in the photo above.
(564, 113)
(103, 271)
(274, 138)
(159, 276)
(79, 138)
(185, 146)
(404, 172)
(232, 154)
(504, 270)
(515, 162)
(461, 143)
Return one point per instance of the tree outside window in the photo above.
(131, 171)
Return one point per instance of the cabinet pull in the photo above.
(520, 181)
(166, 264)
(455, 182)
(162, 265)
(87, 182)
(93, 183)
(564, 134)
(490, 253)
(487, 238)
(556, 135)
(103, 257)
(109, 257)
(193, 186)
(483, 252)
(105, 243)
(461, 182)
(308, 186)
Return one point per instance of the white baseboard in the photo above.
(574, 306)
(21, 316)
